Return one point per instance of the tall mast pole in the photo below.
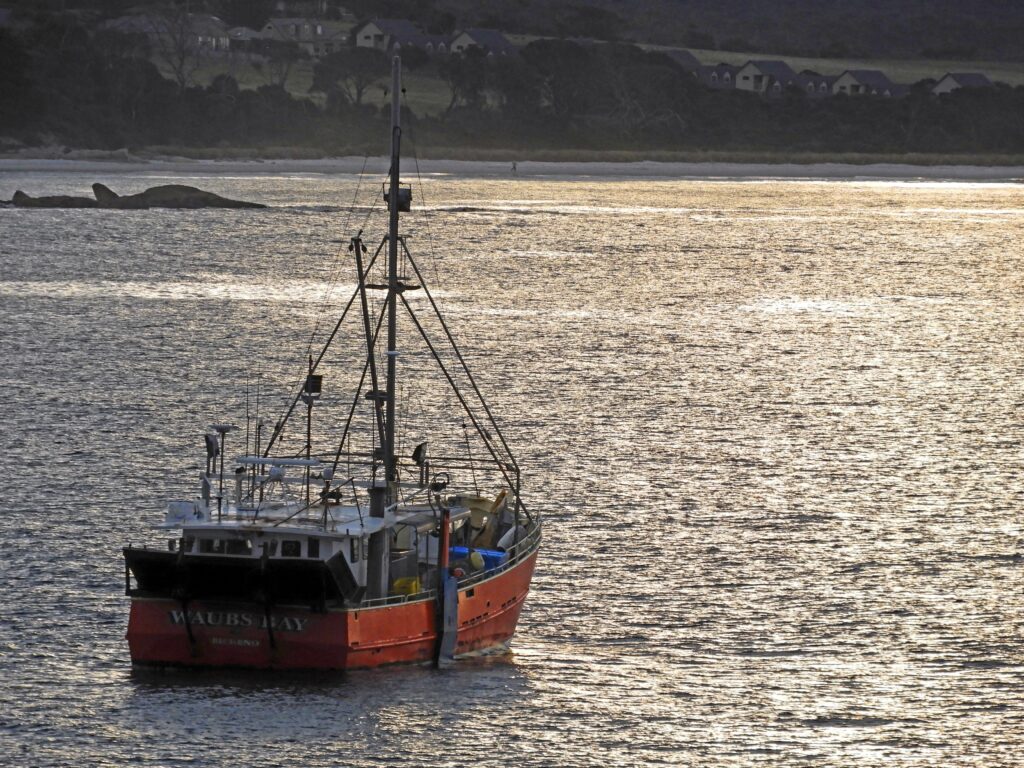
(390, 472)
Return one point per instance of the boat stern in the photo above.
(165, 632)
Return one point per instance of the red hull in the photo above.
(237, 635)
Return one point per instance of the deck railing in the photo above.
(526, 547)
(523, 550)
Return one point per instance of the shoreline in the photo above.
(123, 163)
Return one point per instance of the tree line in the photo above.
(63, 83)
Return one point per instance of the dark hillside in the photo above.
(67, 79)
(935, 29)
(945, 29)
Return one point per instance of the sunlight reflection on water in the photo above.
(775, 427)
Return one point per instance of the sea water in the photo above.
(775, 429)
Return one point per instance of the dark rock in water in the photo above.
(105, 196)
(180, 196)
(22, 200)
(167, 196)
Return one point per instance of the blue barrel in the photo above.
(492, 557)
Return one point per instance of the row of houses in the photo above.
(772, 77)
(392, 35)
(205, 33)
(317, 37)
(768, 77)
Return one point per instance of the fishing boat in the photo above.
(390, 546)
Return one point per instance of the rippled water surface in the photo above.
(776, 429)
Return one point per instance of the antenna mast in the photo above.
(390, 469)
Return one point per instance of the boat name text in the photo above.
(239, 620)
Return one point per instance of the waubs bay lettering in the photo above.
(240, 620)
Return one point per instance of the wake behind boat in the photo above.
(364, 555)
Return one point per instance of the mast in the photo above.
(390, 472)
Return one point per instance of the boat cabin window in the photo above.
(291, 548)
(354, 545)
(238, 547)
(313, 547)
(223, 546)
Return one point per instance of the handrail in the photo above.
(524, 549)
(396, 599)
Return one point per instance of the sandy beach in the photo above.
(527, 169)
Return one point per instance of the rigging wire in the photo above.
(431, 251)
(279, 427)
(420, 184)
(454, 348)
(332, 282)
(347, 434)
(504, 463)
(376, 341)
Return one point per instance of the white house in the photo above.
(765, 77)
(211, 33)
(490, 41)
(815, 86)
(315, 36)
(717, 76)
(865, 82)
(382, 34)
(953, 80)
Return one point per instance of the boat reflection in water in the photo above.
(356, 558)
